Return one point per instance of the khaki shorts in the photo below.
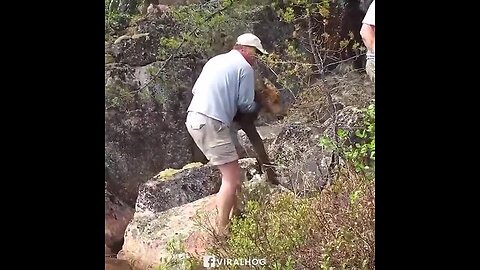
(370, 69)
(215, 139)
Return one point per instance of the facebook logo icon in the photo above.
(208, 261)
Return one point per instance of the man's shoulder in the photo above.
(234, 60)
(221, 58)
(231, 62)
(224, 55)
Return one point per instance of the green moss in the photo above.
(169, 172)
(192, 165)
(109, 59)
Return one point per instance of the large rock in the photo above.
(314, 107)
(173, 188)
(157, 223)
(141, 49)
(117, 216)
(116, 264)
(268, 134)
(303, 165)
(149, 234)
(145, 131)
(145, 113)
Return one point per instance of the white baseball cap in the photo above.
(249, 39)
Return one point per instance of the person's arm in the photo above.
(368, 28)
(368, 36)
(246, 93)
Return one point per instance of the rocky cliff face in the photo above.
(144, 129)
(117, 216)
(144, 123)
(304, 165)
(150, 134)
(145, 132)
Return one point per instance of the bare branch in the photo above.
(317, 59)
(341, 61)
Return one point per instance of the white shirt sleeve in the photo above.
(370, 16)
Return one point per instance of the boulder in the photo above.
(149, 235)
(302, 164)
(268, 135)
(145, 113)
(330, 104)
(172, 188)
(145, 131)
(117, 264)
(157, 223)
(117, 216)
(108, 251)
(141, 47)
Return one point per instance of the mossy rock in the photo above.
(109, 58)
(167, 173)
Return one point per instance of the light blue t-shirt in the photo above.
(225, 85)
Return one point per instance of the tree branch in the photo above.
(183, 41)
(317, 59)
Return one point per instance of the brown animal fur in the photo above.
(268, 97)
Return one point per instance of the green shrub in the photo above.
(334, 229)
(357, 146)
(179, 259)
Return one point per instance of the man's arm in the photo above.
(368, 36)
(246, 93)
(368, 28)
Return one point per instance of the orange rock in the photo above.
(116, 264)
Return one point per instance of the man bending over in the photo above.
(225, 86)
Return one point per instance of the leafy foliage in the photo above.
(357, 146)
(118, 14)
(210, 28)
(179, 259)
(334, 229)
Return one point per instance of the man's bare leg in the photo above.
(235, 209)
(234, 128)
(226, 196)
